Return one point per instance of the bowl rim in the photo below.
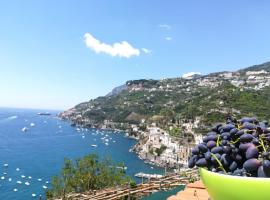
(201, 169)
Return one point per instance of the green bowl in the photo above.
(227, 187)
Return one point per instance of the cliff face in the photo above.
(209, 98)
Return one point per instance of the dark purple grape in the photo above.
(211, 144)
(238, 158)
(210, 138)
(252, 165)
(192, 162)
(260, 172)
(233, 166)
(255, 134)
(233, 131)
(217, 150)
(224, 142)
(226, 128)
(246, 137)
(207, 156)
(226, 160)
(249, 126)
(202, 162)
(248, 119)
(266, 167)
(227, 134)
(195, 151)
(252, 152)
(235, 150)
(202, 148)
(227, 149)
(240, 132)
(243, 147)
(256, 141)
(265, 155)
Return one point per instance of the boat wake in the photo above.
(9, 118)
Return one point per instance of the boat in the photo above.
(32, 124)
(144, 175)
(44, 113)
(93, 145)
(24, 129)
(124, 168)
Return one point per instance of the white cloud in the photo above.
(147, 51)
(168, 38)
(189, 74)
(122, 49)
(165, 26)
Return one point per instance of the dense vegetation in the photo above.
(87, 174)
(176, 100)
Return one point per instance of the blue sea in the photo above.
(36, 155)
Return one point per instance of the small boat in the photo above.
(19, 182)
(39, 179)
(106, 143)
(44, 113)
(24, 129)
(32, 124)
(44, 186)
(15, 189)
(23, 176)
(5, 165)
(33, 195)
(10, 179)
(93, 145)
(17, 169)
(27, 183)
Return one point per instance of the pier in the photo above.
(153, 184)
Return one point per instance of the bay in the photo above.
(37, 154)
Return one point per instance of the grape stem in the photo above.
(220, 165)
(261, 142)
(218, 140)
(235, 141)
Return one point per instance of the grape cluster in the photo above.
(238, 147)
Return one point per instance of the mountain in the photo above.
(172, 101)
(264, 66)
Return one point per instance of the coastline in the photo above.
(134, 134)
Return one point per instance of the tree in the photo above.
(86, 174)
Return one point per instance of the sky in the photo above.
(56, 54)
